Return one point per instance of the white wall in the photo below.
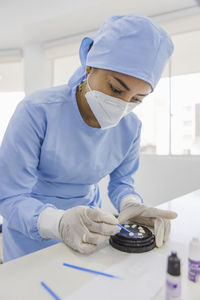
(161, 178)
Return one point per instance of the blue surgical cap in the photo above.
(129, 44)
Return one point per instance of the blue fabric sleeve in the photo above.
(19, 158)
(121, 179)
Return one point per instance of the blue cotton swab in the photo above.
(50, 291)
(91, 271)
(122, 227)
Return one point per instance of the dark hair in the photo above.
(93, 68)
(90, 46)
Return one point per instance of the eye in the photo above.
(114, 89)
(134, 99)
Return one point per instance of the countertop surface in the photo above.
(143, 274)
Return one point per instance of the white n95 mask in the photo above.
(108, 110)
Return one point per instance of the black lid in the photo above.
(174, 265)
(140, 241)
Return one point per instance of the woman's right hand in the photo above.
(84, 229)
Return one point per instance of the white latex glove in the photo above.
(83, 228)
(157, 220)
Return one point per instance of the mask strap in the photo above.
(86, 78)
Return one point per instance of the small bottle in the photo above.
(194, 260)
(173, 280)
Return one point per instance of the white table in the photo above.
(20, 278)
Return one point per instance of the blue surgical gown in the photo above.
(50, 157)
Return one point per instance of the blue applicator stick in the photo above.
(50, 291)
(91, 271)
(122, 227)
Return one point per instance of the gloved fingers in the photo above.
(167, 229)
(100, 216)
(130, 212)
(159, 230)
(133, 210)
(143, 221)
(150, 223)
(86, 248)
(94, 238)
(153, 212)
(103, 229)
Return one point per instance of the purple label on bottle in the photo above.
(173, 290)
(194, 270)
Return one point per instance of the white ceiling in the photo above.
(31, 21)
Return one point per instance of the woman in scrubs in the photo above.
(61, 141)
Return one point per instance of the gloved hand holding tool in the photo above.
(81, 228)
(157, 220)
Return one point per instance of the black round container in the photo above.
(142, 241)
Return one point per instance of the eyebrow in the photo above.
(126, 87)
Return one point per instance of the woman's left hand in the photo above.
(157, 220)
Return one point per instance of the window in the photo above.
(154, 114)
(64, 68)
(11, 91)
(185, 94)
(185, 130)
